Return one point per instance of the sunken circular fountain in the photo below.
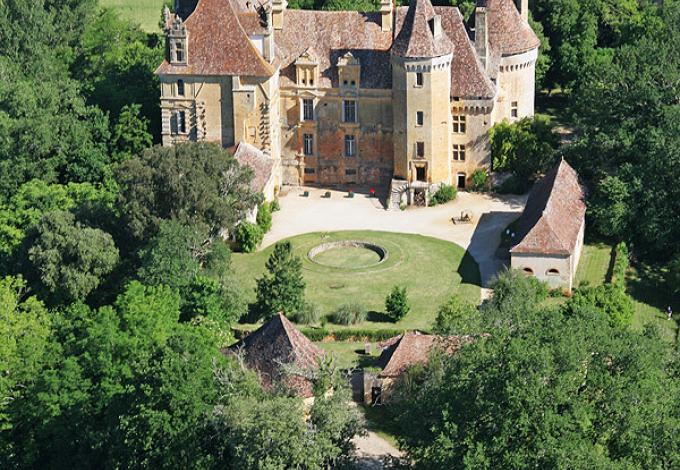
(348, 254)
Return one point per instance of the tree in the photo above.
(130, 134)
(526, 148)
(197, 184)
(248, 236)
(544, 390)
(396, 304)
(24, 329)
(457, 317)
(608, 300)
(282, 287)
(68, 260)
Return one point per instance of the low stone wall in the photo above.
(382, 252)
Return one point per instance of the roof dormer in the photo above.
(349, 70)
(178, 41)
(307, 69)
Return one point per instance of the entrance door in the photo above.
(420, 174)
(461, 180)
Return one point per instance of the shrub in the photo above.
(248, 236)
(396, 304)
(480, 181)
(349, 314)
(444, 194)
(608, 299)
(309, 314)
(621, 263)
(275, 206)
(264, 217)
(457, 317)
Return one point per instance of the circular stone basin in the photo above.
(348, 254)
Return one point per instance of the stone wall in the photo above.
(516, 84)
(540, 267)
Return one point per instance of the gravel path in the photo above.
(372, 450)
(491, 214)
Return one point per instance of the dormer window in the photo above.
(177, 35)
(349, 70)
(306, 69)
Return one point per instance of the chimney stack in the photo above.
(386, 14)
(278, 9)
(481, 33)
(523, 7)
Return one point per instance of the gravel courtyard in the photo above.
(491, 214)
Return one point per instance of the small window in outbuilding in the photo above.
(528, 271)
(553, 272)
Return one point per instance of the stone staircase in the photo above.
(397, 188)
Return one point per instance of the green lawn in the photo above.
(644, 284)
(594, 264)
(432, 270)
(350, 354)
(146, 13)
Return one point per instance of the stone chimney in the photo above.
(481, 32)
(268, 46)
(278, 9)
(523, 7)
(436, 26)
(386, 14)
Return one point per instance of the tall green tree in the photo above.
(197, 184)
(67, 260)
(282, 287)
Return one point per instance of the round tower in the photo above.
(421, 84)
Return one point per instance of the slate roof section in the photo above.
(275, 343)
(328, 35)
(554, 214)
(261, 164)
(508, 33)
(411, 348)
(468, 78)
(218, 45)
(415, 37)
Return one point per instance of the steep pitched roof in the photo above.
(275, 343)
(261, 164)
(415, 37)
(509, 34)
(218, 44)
(328, 35)
(468, 78)
(554, 214)
(402, 352)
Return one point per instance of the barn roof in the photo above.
(274, 344)
(261, 164)
(554, 214)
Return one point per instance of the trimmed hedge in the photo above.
(350, 334)
(620, 265)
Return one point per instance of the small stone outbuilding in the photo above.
(276, 345)
(551, 229)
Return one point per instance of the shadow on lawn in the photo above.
(646, 284)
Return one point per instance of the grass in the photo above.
(432, 270)
(146, 13)
(347, 257)
(350, 354)
(594, 264)
(643, 283)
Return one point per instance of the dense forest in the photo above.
(116, 291)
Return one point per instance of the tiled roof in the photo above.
(508, 33)
(218, 45)
(554, 214)
(402, 352)
(415, 38)
(261, 164)
(275, 343)
(328, 35)
(468, 79)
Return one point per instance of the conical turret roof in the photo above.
(417, 34)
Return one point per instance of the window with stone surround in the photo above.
(459, 152)
(419, 79)
(513, 109)
(307, 109)
(420, 149)
(420, 118)
(349, 111)
(180, 87)
(310, 171)
(350, 146)
(179, 51)
(350, 171)
(308, 144)
(178, 122)
(459, 123)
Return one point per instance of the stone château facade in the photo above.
(407, 94)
